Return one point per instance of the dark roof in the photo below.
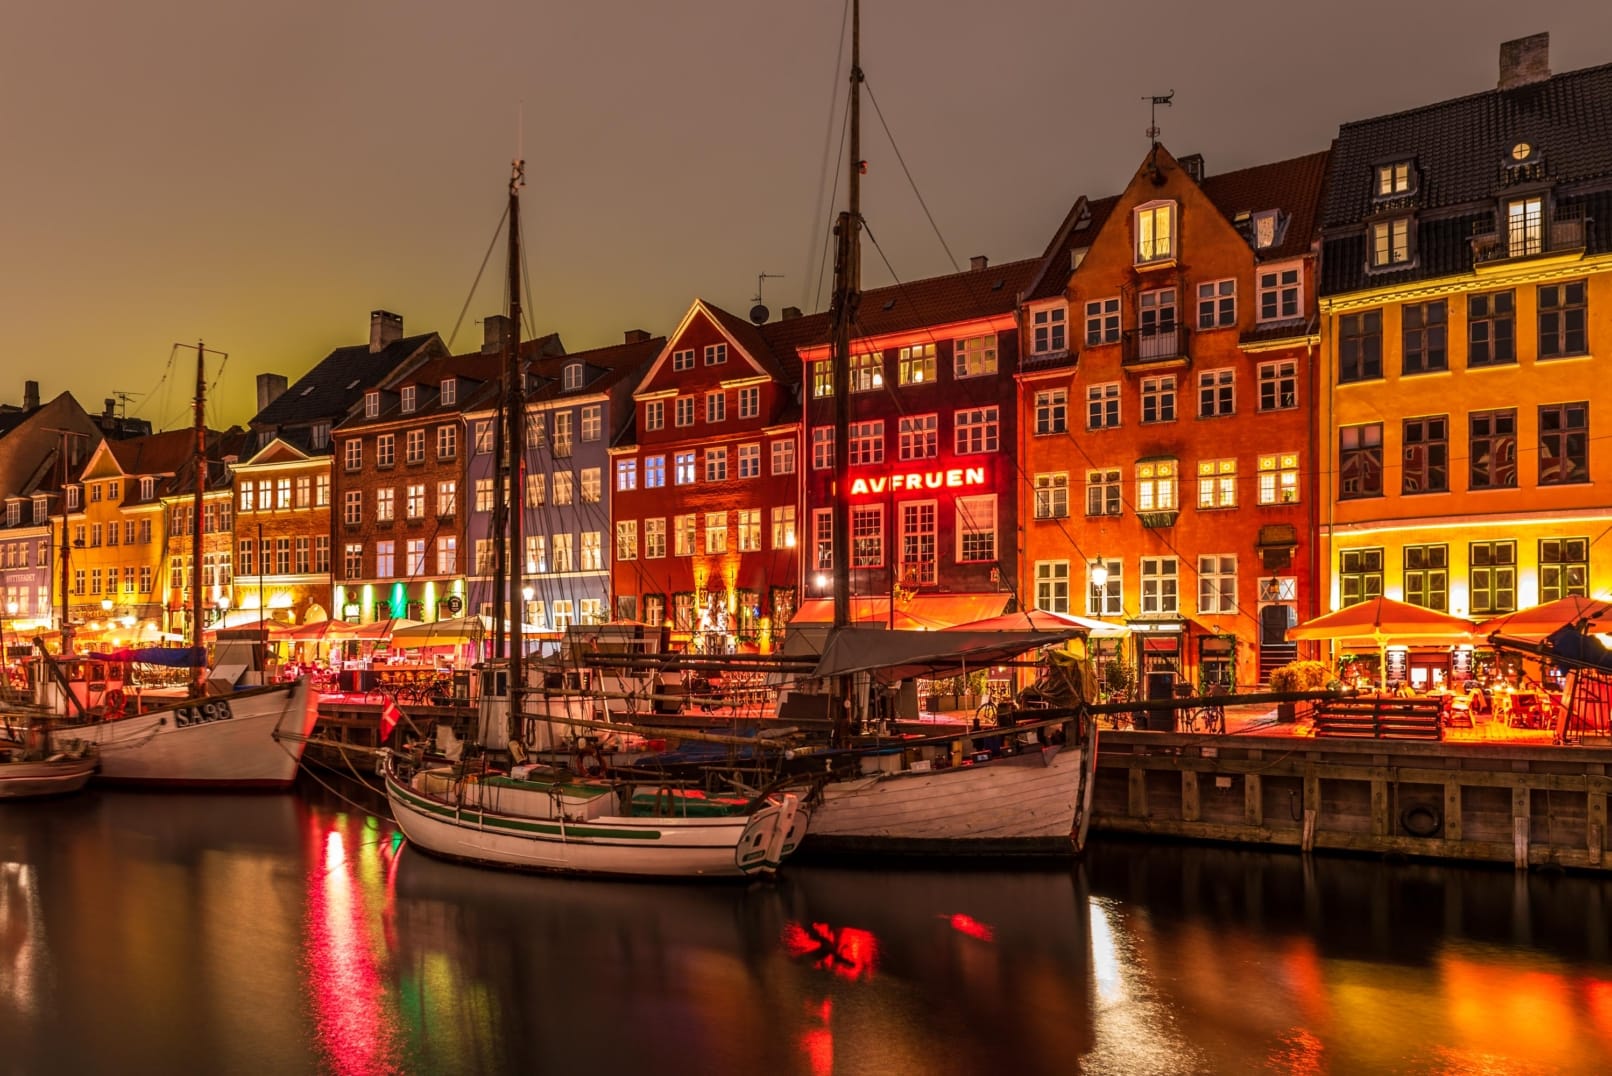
(160, 453)
(1080, 226)
(326, 392)
(601, 368)
(749, 337)
(1294, 186)
(476, 369)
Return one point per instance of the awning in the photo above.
(1043, 620)
(902, 655)
(923, 612)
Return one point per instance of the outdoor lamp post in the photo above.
(5, 655)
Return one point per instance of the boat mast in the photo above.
(515, 451)
(196, 511)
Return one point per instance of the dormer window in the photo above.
(41, 509)
(1390, 243)
(72, 497)
(148, 488)
(450, 392)
(1268, 229)
(409, 395)
(571, 377)
(1155, 232)
(319, 435)
(1394, 179)
(13, 513)
(372, 404)
(1525, 226)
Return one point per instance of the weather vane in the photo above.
(1153, 114)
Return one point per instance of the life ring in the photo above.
(1421, 820)
(113, 704)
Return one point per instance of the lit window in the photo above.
(917, 364)
(1155, 486)
(1155, 232)
(867, 372)
(1217, 483)
(974, 357)
(1279, 478)
(1390, 242)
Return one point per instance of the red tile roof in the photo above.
(1293, 186)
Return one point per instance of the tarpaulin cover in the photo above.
(174, 657)
(901, 655)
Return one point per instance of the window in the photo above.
(1564, 443)
(1395, 178)
(1102, 406)
(319, 434)
(747, 521)
(1155, 486)
(823, 538)
(304, 491)
(683, 407)
(537, 553)
(352, 509)
(716, 354)
(1281, 293)
(918, 548)
(750, 401)
(1493, 450)
(867, 442)
(414, 501)
(1217, 483)
(1563, 313)
(244, 550)
(562, 612)
(654, 472)
(353, 455)
(654, 538)
(447, 498)
(685, 474)
(683, 529)
(1492, 577)
(536, 489)
(1427, 576)
(1159, 586)
(484, 437)
(415, 556)
(976, 529)
(247, 498)
(655, 415)
(683, 359)
(352, 560)
(1491, 329)
(1102, 322)
(626, 474)
(592, 423)
(1217, 583)
(654, 609)
(1217, 304)
(592, 485)
(1423, 325)
(447, 555)
(592, 552)
(414, 446)
(626, 539)
(1217, 393)
(1427, 455)
(1052, 585)
(571, 377)
(750, 461)
(282, 494)
(448, 391)
(716, 465)
(974, 357)
(1525, 232)
(1102, 493)
(1108, 599)
(916, 364)
(484, 495)
(867, 536)
(385, 560)
(977, 430)
(560, 443)
(822, 448)
(919, 436)
(1052, 495)
(563, 487)
(407, 398)
(867, 372)
(1360, 346)
(386, 450)
(563, 548)
(1155, 232)
(783, 527)
(1156, 317)
(1158, 399)
(716, 407)
(1047, 330)
(1278, 385)
(1564, 568)
(1360, 575)
(385, 500)
(1051, 412)
(1360, 461)
(1279, 478)
(716, 532)
(822, 378)
(783, 457)
(372, 404)
(1390, 243)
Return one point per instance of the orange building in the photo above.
(1165, 400)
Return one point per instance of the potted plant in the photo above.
(1117, 678)
(1297, 676)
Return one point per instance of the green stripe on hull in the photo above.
(461, 816)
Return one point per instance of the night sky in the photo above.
(263, 176)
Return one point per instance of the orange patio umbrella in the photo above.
(1539, 621)
(1377, 622)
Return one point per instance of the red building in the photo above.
(706, 482)
(1166, 399)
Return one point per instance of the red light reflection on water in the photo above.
(967, 924)
(817, 1043)
(849, 952)
(348, 994)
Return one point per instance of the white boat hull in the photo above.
(498, 828)
(1033, 803)
(46, 777)
(221, 741)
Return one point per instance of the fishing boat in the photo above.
(484, 803)
(33, 764)
(207, 734)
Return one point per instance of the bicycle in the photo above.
(1210, 714)
(990, 709)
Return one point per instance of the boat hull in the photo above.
(1033, 804)
(484, 831)
(46, 777)
(221, 741)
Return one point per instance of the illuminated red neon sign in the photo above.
(947, 479)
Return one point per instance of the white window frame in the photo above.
(654, 414)
(683, 359)
(977, 430)
(1278, 477)
(971, 519)
(1051, 493)
(1152, 246)
(1275, 289)
(407, 398)
(1217, 483)
(1217, 392)
(1052, 585)
(783, 456)
(1217, 304)
(1103, 406)
(1049, 329)
(1102, 321)
(1156, 486)
(1160, 593)
(1217, 583)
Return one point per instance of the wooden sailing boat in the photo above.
(463, 806)
(245, 739)
(1034, 800)
(33, 764)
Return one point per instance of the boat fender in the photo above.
(113, 703)
(1421, 820)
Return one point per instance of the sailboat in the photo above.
(252, 738)
(901, 798)
(461, 805)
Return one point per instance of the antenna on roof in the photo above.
(1153, 114)
(123, 399)
(759, 313)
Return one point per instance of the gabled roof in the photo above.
(159, 454)
(477, 369)
(1294, 186)
(1080, 226)
(326, 392)
(601, 368)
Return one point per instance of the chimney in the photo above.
(978, 262)
(495, 334)
(110, 410)
(270, 387)
(636, 336)
(1192, 165)
(1524, 61)
(385, 327)
(790, 312)
(30, 395)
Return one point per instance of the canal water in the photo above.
(144, 933)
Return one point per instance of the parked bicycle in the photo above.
(1208, 715)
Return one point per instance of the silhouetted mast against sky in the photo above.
(514, 449)
(847, 296)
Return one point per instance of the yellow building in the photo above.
(1465, 297)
